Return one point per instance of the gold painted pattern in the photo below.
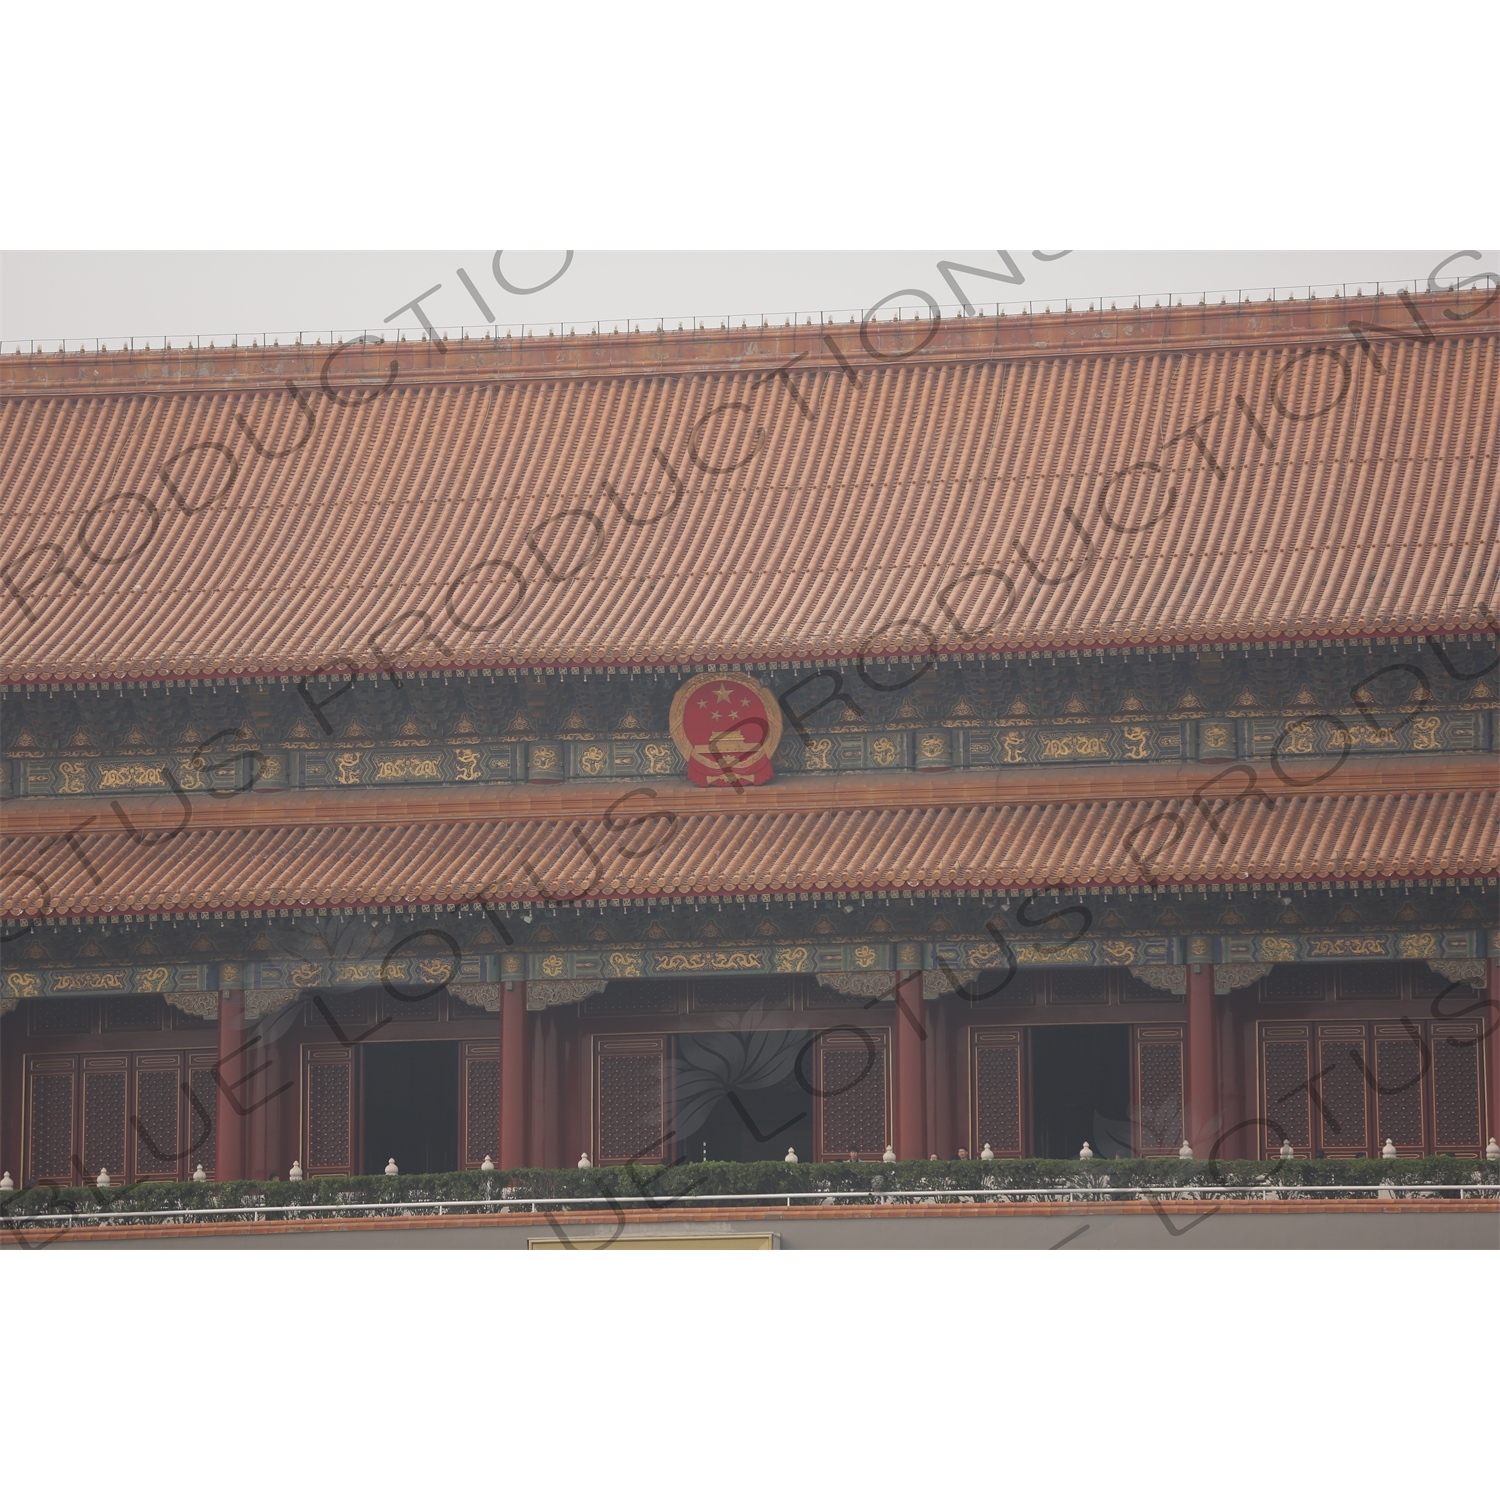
(122, 776)
(406, 765)
(1350, 947)
(111, 981)
(1061, 747)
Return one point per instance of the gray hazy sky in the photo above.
(51, 295)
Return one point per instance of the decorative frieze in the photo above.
(1342, 947)
(174, 980)
(1231, 977)
(1169, 977)
(204, 1004)
(260, 1003)
(1460, 970)
(877, 982)
(480, 996)
(409, 973)
(1083, 951)
(654, 963)
(541, 993)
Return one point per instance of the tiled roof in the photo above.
(950, 489)
(443, 853)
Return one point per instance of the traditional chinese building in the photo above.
(1005, 731)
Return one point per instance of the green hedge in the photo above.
(673, 1185)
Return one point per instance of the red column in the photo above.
(1201, 1114)
(1235, 1138)
(513, 1074)
(911, 1068)
(552, 1113)
(229, 1124)
(577, 1088)
(1491, 1016)
(536, 1086)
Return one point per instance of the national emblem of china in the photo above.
(727, 727)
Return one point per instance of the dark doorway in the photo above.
(739, 1098)
(411, 1106)
(1080, 1081)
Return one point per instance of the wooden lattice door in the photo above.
(1403, 1063)
(51, 1119)
(1457, 1086)
(105, 1096)
(329, 1136)
(1285, 1098)
(630, 1101)
(1156, 1089)
(997, 1091)
(479, 1102)
(852, 1093)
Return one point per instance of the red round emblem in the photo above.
(727, 727)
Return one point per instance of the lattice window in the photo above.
(347, 1009)
(822, 997)
(482, 1116)
(1005, 986)
(1369, 981)
(637, 997)
(1161, 1096)
(424, 1008)
(1288, 1112)
(203, 1117)
(156, 1110)
(132, 1013)
(70, 1015)
(630, 1107)
(1078, 986)
(997, 1098)
(1455, 1087)
(328, 1086)
(183, 1020)
(104, 1122)
(854, 1102)
(724, 994)
(1399, 1066)
(1134, 988)
(1341, 1061)
(51, 1126)
(1305, 982)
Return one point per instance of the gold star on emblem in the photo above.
(721, 694)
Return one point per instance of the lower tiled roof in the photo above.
(1356, 835)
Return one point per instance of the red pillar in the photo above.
(911, 1068)
(536, 1087)
(1201, 1114)
(1492, 1047)
(577, 1088)
(1236, 1139)
(552, 1092)
(229, 1124)
(513, 1074)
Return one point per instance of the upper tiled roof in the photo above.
(1098, 480)
(965, 833)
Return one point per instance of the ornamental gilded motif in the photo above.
(727, 727)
